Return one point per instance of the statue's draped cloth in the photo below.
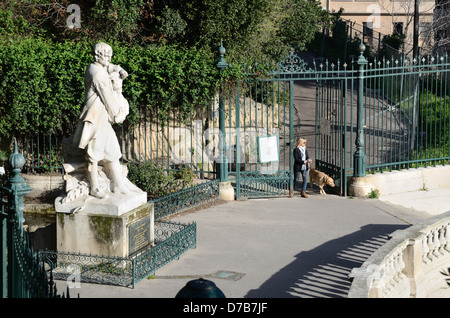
(94, 131)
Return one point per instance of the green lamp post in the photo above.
(359, 158)
(223, 171)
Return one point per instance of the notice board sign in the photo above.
(268, 149)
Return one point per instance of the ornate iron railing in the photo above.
(23, 274)
(256, 184)
(186, 199)
(171, 241)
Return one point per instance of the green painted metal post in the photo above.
(3, 264)
(238, 143)
(223, 171)
(360, 157)
(291, 137)
(15, 221)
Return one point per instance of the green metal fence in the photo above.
(171, 241)
(275, 126)
(171, 142)
(186, 199)
(371, 116)
(42, 153)
(23, 273)
(402, 106)
(406, 117)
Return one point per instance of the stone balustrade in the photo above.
(409, 265)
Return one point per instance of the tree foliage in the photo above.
(304, 19)
(267, 27)
(100, 19)
(250, 29)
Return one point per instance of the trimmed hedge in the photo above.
(42, 83)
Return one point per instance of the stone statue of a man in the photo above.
(103, 106)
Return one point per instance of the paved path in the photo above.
(276, 248)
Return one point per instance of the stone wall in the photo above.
(44, 187)
(151, 141)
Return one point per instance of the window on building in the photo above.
(398, 28)
(368, 29)
(425, 30)
(441, 34)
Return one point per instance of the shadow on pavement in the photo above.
(323, 271)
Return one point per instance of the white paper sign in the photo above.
(268, 149)
(2, 170)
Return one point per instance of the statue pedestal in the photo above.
(106, 231)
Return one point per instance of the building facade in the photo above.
(376, 18)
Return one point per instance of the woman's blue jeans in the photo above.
(304, 174)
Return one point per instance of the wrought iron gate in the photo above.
(335, 126)
(260, 138)
(259, 148)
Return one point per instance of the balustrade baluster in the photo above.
(430, 246)
(425, 249)
(442, 242)
(436, 243)
(391, 271)
(401, 263)
(447, 237)
(385, 278)
(395, 267)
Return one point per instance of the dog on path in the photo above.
(321, 179)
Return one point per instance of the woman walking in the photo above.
(301, 164)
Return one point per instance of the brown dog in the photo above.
(321, 179)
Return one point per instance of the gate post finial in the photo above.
(361, 49)
(222, 64)
(17, 184)
(16, 162)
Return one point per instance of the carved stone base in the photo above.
(77, 199)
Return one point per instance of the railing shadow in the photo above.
(323, 271)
